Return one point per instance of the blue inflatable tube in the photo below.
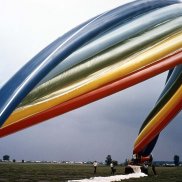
(115, 36)
(98, 62)
(27, 78)
(173, 76)
(169, 74)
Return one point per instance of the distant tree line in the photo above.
(176, 160)
(6, 158)
(109, 160)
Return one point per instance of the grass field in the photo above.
(58, 172)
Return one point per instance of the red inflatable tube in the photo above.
(153, 134)
(106, 90)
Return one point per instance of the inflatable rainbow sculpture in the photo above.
(104, 55)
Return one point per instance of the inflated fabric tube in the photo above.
(149, 147)
(107, 75)
(169, 116)
(104, 59)
(129, 80)
(160, 120)
(113, 72)
(25, 80)
(115, 36)
(174, 75)
(170, 89)
(91, 77)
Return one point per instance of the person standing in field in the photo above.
(152, 164)
(112, 168)
(95, 164)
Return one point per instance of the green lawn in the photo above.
(58, 172)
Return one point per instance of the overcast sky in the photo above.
(108, 126)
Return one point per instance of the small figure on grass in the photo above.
(152, 164)
(144, 168)
(95, 164)
(113, 170)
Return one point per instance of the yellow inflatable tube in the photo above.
(109, 74)
(154, 125)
